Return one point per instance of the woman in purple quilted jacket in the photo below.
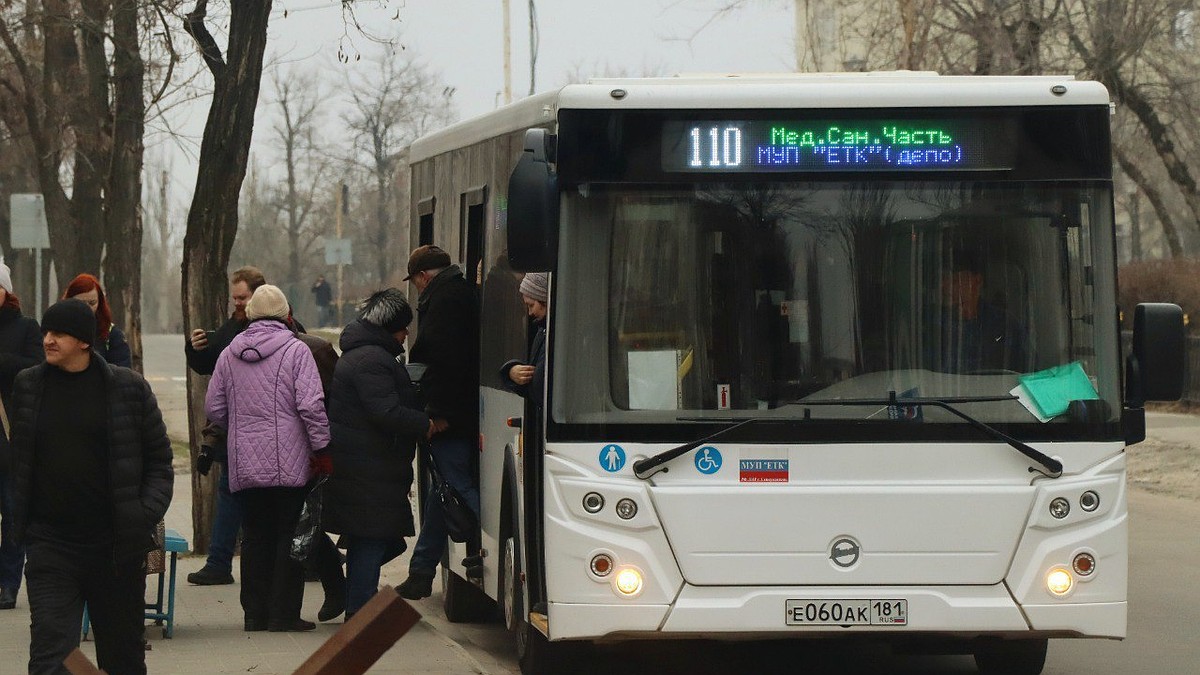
(266, 392)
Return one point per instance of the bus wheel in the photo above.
(510, 586)
(539, 656)
(1012, 657)
(462, 600)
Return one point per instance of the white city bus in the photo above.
(828, 355)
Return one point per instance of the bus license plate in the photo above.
(847, 612)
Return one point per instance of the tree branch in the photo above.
(193, 24)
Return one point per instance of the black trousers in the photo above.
(272, 583)
(60, 578)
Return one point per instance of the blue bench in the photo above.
(162, 610)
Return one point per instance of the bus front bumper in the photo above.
(760, 613)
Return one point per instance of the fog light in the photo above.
(1060, 507)
(1089, 501)
(629, 581)
(593, 502)
(602, 564)
(1084, 564)
(1059, 581)
(626, 509)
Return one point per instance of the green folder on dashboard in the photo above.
(1053, 389)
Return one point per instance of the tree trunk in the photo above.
(83, 82)
(1155, 196)
(123, 261)
(213, 217)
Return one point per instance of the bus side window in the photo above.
(425, 209)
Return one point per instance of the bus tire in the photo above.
(462, 601)
(539, 656)
(1012, 657)
(511, 600)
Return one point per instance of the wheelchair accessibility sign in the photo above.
(708, 460)
(612, 458)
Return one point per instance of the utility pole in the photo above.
(164, 233)
(343, 199)
(798, 31)
(533, 48)
(506, 4)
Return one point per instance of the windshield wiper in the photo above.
(645, 468)
(1052, 467)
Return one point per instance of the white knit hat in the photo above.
(5, 276)
(268, 302)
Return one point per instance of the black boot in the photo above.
(335, 602)
(8, 598)
(208, 576)
(418, 585)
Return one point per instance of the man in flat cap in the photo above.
(448, 344)
(91, 478)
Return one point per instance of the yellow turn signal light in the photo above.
(1059, 581)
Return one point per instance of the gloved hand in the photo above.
(322, 463)
(204, 460)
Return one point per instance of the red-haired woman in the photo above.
(110, 341)
(20, 348)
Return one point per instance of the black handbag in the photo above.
(461, 521)
(308, 527)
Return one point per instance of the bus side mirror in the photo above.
(1154, 369)
(533, 206)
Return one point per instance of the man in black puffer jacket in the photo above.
(375, 421)
(91, 478)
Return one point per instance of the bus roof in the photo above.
(890, 89)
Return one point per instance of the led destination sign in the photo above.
(836, 145)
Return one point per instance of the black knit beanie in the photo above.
(72, 317)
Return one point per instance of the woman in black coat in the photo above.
(20, 348)
(375, 421)
(110, 341)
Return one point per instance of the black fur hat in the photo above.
(388, 309)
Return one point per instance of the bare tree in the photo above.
(298, 99)
(213, 217)
(74, 76)
(390, 107)
(1128, 45)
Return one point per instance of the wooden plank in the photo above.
(77, 663)
(365, 638)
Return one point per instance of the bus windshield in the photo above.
(712, 299)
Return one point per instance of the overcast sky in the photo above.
(462, 40)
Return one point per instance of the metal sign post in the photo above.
(29, 230)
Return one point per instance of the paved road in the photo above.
(1164, 594)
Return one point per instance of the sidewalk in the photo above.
(209, 638)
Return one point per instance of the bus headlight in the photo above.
(1059, 581)
(629, 581)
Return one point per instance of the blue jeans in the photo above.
(364, 558)
(225, 526)
(12, 555)
(453, 458)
